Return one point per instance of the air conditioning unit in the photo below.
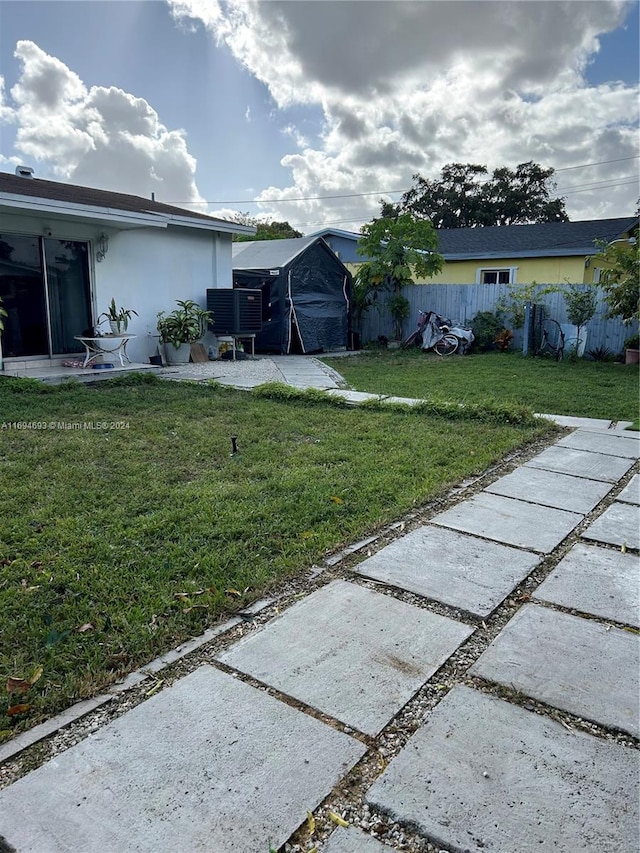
(236, 311)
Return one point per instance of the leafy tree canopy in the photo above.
(398, 247)
(620, 280)
(464, 196)
(266, 230)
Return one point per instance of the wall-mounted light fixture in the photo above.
(102, 247)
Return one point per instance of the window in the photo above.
(500, 275)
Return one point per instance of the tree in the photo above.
(397, 247)
(621, 279)
(266, 230)
(581, 305)
(464, 197)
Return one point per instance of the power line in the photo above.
(375, 192)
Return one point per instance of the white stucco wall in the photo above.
(149, 269)
(146, 269)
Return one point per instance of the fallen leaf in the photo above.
(624, 548)
(37, 564)
(14, 710)
(15, 684)
(235, 592)
(336, 499)
(84, 628)
(5, 562)
(337, 819)
(155, 687)
(311, 823)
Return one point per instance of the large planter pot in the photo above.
(177, 355)
(573, 344)
(632, 356)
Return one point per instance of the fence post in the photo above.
(527, 328)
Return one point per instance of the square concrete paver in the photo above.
(460, 570)
(352, 653)
(599, 581)
(610, 443)
(631, 492)
(353, 840)
(484, 775)
(619, 524)
(550, 488)
(571, 663)
(209, 764)
(512, 522)
(581, 463)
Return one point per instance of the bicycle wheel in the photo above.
(447, 345)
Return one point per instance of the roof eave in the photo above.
(10, 202)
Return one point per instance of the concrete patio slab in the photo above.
(353, 840)
(463, 571)
(571, 421)
(619, 524)
(512, 522)
(568, 662)
(599, 581)
(631, 492)
(609, 443)
(484, 775)
(350, 652)
(581, 463)
(550, 488)
(209, 764)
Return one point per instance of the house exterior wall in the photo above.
(149, 269)
(548, 270)
(146, 269)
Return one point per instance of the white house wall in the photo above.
(146, 269)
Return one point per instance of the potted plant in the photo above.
(118, 318)
(181, 328)
(632, 350)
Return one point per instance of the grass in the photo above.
(582, 388)
(119, 543)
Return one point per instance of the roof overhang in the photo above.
(578, 252)
(111, 217)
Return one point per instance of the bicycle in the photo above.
(551, 339)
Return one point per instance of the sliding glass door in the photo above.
(44, 285)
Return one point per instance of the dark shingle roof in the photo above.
(55, 190)
(508, 241)
(547, 238)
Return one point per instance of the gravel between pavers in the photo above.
(250, 371)
(347, 799)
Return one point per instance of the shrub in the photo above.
(486, 327)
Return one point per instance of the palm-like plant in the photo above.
(186, 325)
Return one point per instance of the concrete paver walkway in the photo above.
(234, 756)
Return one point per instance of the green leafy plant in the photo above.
(486, 327)
(632, 342)
(399, 309)
(600, 354)
(581, 306)
(620, 279)
(519, 295)
(186, 325)
(118, 316)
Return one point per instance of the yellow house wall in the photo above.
(542, 270)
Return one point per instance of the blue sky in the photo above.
(236, 101)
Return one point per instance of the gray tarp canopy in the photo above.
(306, 293)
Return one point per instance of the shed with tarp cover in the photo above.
(306, 293)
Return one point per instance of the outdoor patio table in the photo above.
(105, 345)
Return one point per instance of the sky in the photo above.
(312, 111)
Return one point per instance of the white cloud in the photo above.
(407, 87)
(100, 137)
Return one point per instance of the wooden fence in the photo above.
(461, 302)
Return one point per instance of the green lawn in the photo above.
(118, 543)
(583, 388)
